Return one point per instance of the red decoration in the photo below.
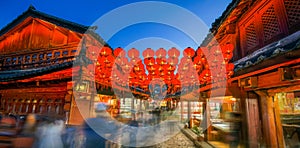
(149, 61)
(196, 66)
(161, 61)
(161, 53)
(230, 67)
(133, 53)
(105, 51)
(119, 52)
(172, 61)
(189, 52)
(148, 53)
(173, 53)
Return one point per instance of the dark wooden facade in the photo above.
(266, 35)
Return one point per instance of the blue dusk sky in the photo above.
(131, 23)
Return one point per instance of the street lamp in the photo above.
(82, 86)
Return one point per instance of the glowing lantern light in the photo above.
(119, 52)
(228, 48)
(173, 53)
(229, 67)
(149, 61)
(148, 53)
(105, 51)
(161, 53)
(227, 57)
(189, 52)
(108, 59)
(172, 61)
(133, 53)
(161, 61)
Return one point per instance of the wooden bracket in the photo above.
(249, 82)
(288, 73)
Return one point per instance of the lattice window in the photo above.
(293, 11)
(251, 36)
(270, 23)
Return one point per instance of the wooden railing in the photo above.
(37, 59)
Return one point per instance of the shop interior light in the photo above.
(233, 99)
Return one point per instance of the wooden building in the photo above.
(266, 36)
(260, 104)
(37, 64)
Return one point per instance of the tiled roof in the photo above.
(216, 24)
(277, 48)
(12, 75)
(31, 11)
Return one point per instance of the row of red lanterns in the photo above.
(203, 66)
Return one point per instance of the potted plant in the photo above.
(198, 132)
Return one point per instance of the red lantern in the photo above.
(229, 67)
(169, 67)
(149, 61)
(185, 60)
(227, 56)
(105, 51)
(148, 53)
(161, 61)
(173, 53)
(216, 50)
(197, 60)
(121, 61)
(176, 82)
(126, 68)
(200, 51)
(92, 52)
(133, 53)
(197, 67)
(172, 61)
(228, 48)
(206, 73)
(109, 59)
(189, 52)
(119, 52)
(161, 53)
(135, 60)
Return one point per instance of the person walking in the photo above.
(50, 135)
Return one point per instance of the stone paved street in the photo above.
(178, 141)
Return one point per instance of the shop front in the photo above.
(289, 110)
(224, 117)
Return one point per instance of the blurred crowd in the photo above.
(31, 130)
(43, 131)
(46, 131)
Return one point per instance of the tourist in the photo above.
(50, 135)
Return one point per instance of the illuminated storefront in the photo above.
(289, 110)
(225, 120)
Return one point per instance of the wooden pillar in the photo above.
(189, 111)
(253, 120)
(140, 108)
(181, 111)
(272, 134)
(243, 123)
(1, 102)
(280, 136)
(74, 115)
(206, 119)
(93, 94)
(132, 103)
